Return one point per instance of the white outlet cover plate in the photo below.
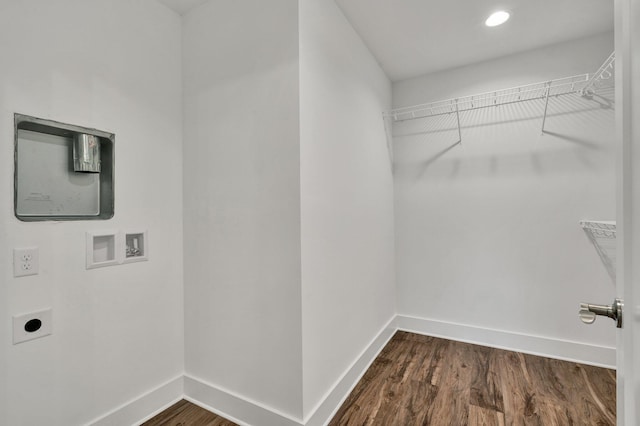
(21, 335)
(26, 261)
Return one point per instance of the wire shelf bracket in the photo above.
(459, 129)
(602, 235)
(605, 72)
(546, 105)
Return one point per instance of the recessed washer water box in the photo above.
(62, 171)
(136, 246)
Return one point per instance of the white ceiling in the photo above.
(415, 37)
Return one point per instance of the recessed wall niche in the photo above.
(102, 249)
(62, 171)
(136, 246)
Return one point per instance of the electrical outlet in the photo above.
(32, 326)
(25, 261)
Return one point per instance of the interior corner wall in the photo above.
(348, 278)
(487, 232)
(117, 331)
(242, 200)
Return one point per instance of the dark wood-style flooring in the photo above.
(421, 380)
(184, 413)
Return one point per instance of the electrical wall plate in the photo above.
(25, 261)
(136, 246)
(32, 326)
(103, 249)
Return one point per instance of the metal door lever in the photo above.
(588, 312)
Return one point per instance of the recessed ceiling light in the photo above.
(497, 18)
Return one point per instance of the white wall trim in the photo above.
(233, 406)
(137, 410)
(333, 399)
(584, 353)
(246, 412)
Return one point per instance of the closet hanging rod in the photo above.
(560, 86)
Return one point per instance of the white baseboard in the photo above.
(250, 413)
(234, 407)
(583, 353)
(239, 409)
(333, 399)
(144, 407)
(245, 412)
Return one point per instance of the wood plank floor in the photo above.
(421, 380)
(184, 413)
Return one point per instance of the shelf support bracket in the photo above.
(389, 136)
(458, 117)
(603, 73)
(546, 105)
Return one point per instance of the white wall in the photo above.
(348, 283)
(242, 200)
(117, 331)
(288, 203)
(487, 232)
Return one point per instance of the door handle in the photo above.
(588, 312)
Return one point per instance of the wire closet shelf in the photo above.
(583, 84)
(599, 229)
